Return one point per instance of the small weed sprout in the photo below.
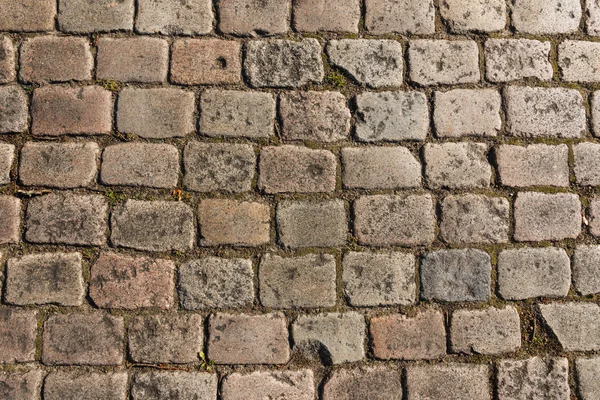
(206, 364)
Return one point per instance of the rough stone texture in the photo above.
(289, 385)
(212, 167)
(67, 218)
(90, 339)
(13, 109)
(181, 385)
(285, 169)
(488, 331)
(513, 59)
(18, 334)
(392, 116)
(592, 11)
(10, 215)
(464, 112)
(90, 386)
(379, 279)
(283, 63)
(595, 113)
(153, 226)
(457, 165)
(594, 214)
(214, 282)
(139, 59)
(7, 59)
(336, 338)
(327, 15)
(448, 381)
(48, 278)
(586, 269)
(21, 385)
(156, 113)
(234, 222)
(541, 216)
(474, 15)
(533, 272)
(206, 61)
(27, 15)
(546, 16)
(576, 325)
(248, 339)
(191, 17)
(578, 61)
(252, 17)
(295, 282)
(586, 164)
(456, 275)
(374, 383)
(374, 63)
(83, 16)
(231, 113)
(401, 337)
(588, 370)
(403, 220)
(534, 165)
(542, 378)
(544, 112)
(400, 16)
(312, 223)
(7, 157)
(434, 62)
(123, 282)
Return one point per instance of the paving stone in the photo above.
(64, 110)
(91, 386)
(27, 15)
(337, 338)
(10, 215)
(67, 218)
(7, 59)
(592, 12)
(190, 17)
(543, 378)
(457, 165)
(588, 370)
(211, 167)
(294, 282)
(544, 112)
(452, 380)
(206, 62)
(258, 385)
(327, 15)
(464, 112)
(47, 278)
(374, 383)
(232, 113)
(59, 165)
(153, 226)
(374, 63)
(136, 59)
(241, 223)
(434, 62)
(586, 269)
(181, 385)
(379, 279)
(576, 325)
(542, 216)
(283, 63)
(392, 116)
(140, 164)
(252, 17)
(388, 220)
(248, 339)
(456, 275)
(400, 16)
(21, 385)
(285, 169)
(89, 339)
(380, 168)
(317, 223)
(487, 331)
(156, 113)
(214, 282)
(474, 15)
(533, 165)
(533, 272)
(401, 337)
(578, 61)
(513, 59)
(546, 17)
(316, 116)
(594, 216)
(84, 16)
(166, 338)
(123, 282)
(7, 156)
(18, 334)
(586, 162)
(55, 59)
(13, 109)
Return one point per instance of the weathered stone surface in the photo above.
(578, 61)
(374, 383)
(248, 339)
(13, 109)
(10, 215)
(594, 214)
(401, 337)
(211, 167)
(192, 17)
(465, 112)
(586, 163)
(374, 63)
(474, 15)
(181, 384)
(434, 62)
(294, 282)
(90, 386)
(83, 16)
(576, 325)
(543, 378)
(153, 226)
(592, 12)
(137, 59)
(258, 385)
(392, 116)
(533, 272)
(453, 380)
(336, 338)
(457, 165)
(586, 269)
(513, 59)
(283, 63)
(214, 282)
(130, 283)
(7, 157)
(327, 15)
(534, 165)
(588, 370)
(383, 220)
(456, 275)
(400, 16)
(252, 18)
(379, 279)
(27, 15)
(206, 62)
(18, 334)
(21, 385)
(66, 218)
(7, 59)
(546, 16)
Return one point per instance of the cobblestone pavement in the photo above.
(324, 200)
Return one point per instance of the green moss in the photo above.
(336, 78)
(114, 197)
(111, 85)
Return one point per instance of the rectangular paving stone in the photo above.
(7, 60)
(545, 378)
(374, 383)
(192, 17)
(400, 16)
(435, 62)
(594, 216)
(592, 12)
(18, 336)
(27, 15)
(588, 370)
(83, 16)
(22, 385)
(7, 157)
(14, 109)
(451, 380)
(586, 269)
(548, 17)
(457, 165)
(578, 61)
(206, 62)
(514, 59)
(474, 15)
(252, 18)
(586, 162)
(10, 215)
(575, 325)
(74, 385)
(595, 112)
(464, 112)
(163, 384)
(288, 384)
(533, 165)
(327, 15)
